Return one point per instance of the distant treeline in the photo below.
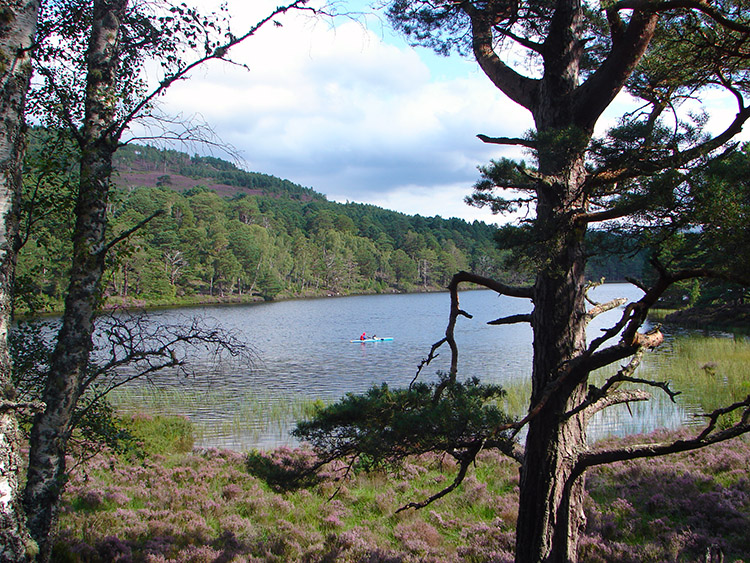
(288, 242)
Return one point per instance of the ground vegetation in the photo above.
(202, 506)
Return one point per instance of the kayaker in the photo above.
(364, 336)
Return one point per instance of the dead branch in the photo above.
(426, 360)
(589, 286)
(705, 438)
(466, 460)
(33, 406)
(507, 141)
(618, 398)
(134, 348)
(512, 319)
(596, 394)
(713, 416)
(650, 339)
(456, 311)
(612, 331)
(600, 308)
(125, 234)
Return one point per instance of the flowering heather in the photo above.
(204, 506)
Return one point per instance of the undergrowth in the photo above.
(203, 506)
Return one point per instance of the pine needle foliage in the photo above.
(386, 425)
(381, 428)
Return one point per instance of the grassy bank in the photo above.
(203, 506)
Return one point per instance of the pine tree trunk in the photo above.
(18, 20)
(551, 514)
(51, 430)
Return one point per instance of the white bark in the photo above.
(17, 31)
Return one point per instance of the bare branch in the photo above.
(589, 286)
(456, 311)
(512, 319)
(465, 461)
(618, 398)
(33, 406)
(705, 438)
(426, 361)
(595, 394)
(511, 291)
(136, 349)
(507, 141)
(125, 234)
(600, 308)
(218, 53)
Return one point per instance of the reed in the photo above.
(710, 371)
(217, 412)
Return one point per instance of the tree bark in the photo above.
(18, 21)
(98, 142)
(550, 511)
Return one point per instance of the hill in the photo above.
(225, 234)
(230, 235)
(147, 166)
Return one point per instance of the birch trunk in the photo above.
(18, 20)
(51, 430)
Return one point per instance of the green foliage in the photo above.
(384, 426)
(289, 243)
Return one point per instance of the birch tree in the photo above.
(95, 88)
(18, 19)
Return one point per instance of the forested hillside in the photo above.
(232, 234)
(226, 234)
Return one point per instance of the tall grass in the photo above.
(220, 415)
(709, 372)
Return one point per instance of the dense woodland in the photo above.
(225, 233)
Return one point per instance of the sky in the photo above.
(349, 109)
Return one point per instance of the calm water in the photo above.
(302, 351)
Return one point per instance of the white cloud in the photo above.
(339, 110)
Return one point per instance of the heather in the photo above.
(204, 506)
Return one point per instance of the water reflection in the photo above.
(302, 352)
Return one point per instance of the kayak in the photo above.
(386, 339)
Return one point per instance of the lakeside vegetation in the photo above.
(164, 501)
(177, 505)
